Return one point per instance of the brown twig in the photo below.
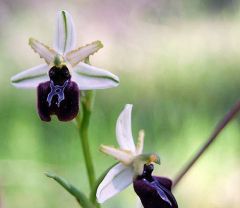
(221, 125)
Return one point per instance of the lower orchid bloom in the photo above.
(154, 192)
(60, 80)
(134, 167)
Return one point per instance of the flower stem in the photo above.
(220, 126)
(83, 124)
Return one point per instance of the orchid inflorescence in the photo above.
(63, 81)
(64, 74)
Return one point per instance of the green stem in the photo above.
(83, 125)
(83, 120)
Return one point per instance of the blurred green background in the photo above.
(178, 61)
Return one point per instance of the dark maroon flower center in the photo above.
(59, 75)
(59, 96)
(147, 172)
(59, 79)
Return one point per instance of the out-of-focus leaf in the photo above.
(80, 197)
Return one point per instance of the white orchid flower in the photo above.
(86, 76)
(75, 76)
(131, 158)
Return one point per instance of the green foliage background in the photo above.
(178, 62)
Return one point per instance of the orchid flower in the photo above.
(64, 74)
(130, 157)
(133, 167)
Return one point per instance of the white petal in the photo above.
(32, 77)
(90, 78)
(64, 40)
(121, 155)
(116, 180)
(45, 52)
(75, 56)
(124, 130)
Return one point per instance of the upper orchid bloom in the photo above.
(130, 157)
(59, 80)
(134, 167)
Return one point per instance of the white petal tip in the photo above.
(116, 79)
(13, 82)
(12, 79)
(64, 40)
(30, 78)
(99, 199)
(124, 129)
(60, 12)
(128, 107)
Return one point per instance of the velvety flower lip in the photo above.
(130, 156)
(66, 110)
(154, 192)
(63, 55)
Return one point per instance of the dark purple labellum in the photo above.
(154, 192)
(59, 96)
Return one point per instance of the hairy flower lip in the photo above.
(65, 110)
(154, 191)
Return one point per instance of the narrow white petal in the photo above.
(91, 78)
(140, 143)
(124, 130)
(121, 155)
(32, 77)
(45, 52)
(64, 40)
(116, 180)
(75, 56)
